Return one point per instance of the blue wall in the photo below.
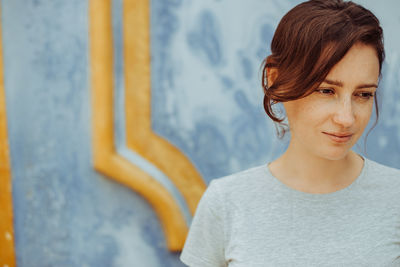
(207, 100)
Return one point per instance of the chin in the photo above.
(336, 154)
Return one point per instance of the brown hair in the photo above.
(310, 39)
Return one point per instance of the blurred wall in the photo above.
(206, 99)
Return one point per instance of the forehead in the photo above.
(359, 65)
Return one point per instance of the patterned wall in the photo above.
(206, 99)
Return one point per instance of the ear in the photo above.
(272, 73)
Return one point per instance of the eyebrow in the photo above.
(340, 84)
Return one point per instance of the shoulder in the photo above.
(227, 192)
(240, 183)
(383, 175)
(382, 170)
(240, 178)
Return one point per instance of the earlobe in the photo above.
(272, 73)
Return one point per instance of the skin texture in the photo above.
(313, 162)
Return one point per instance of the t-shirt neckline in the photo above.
(315, 196)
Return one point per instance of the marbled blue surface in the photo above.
(65, 213)
(206, 99)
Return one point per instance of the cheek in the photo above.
(363, 113)
(303, 113)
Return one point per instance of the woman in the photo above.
(320, 203)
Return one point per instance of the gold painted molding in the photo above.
(106, 160)
(7, 253)
(139, 134)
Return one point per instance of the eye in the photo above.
(325, 91)
(365, 95)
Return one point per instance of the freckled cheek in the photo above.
(304, 116)
(363, 114)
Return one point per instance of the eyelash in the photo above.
(367, 95)
(320, 90)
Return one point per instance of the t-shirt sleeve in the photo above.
(204, 244)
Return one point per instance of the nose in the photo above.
(344, 113)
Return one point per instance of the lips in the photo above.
(339, 134)
(339, 137)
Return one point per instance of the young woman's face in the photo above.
(329, 122)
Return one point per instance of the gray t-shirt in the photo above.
(252, 219)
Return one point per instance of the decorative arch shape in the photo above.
(140, 137)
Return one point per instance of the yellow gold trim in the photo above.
(7, 253)
(140, 137)
(105, 157)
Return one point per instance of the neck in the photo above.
(309, 172)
